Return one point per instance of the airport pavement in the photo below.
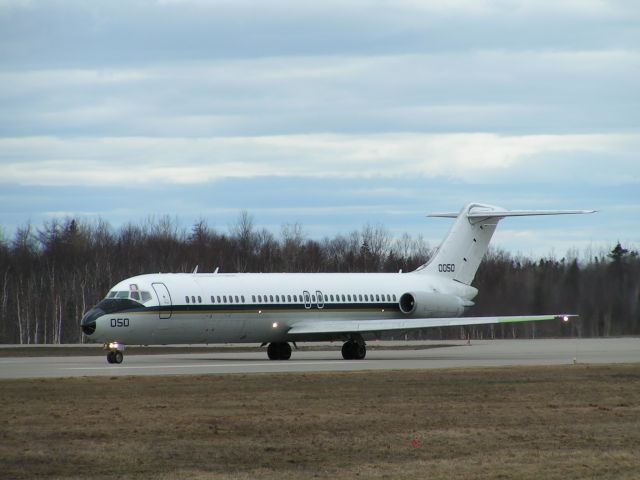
(481, 353)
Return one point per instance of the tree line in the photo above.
(52, 274)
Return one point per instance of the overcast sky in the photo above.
(333, 115)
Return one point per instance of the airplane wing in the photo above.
(361, 326)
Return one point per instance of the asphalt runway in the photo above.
(481, 353)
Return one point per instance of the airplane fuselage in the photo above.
(250, 308)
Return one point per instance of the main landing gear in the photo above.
(115, 352)
(279, 351)
(354, 349)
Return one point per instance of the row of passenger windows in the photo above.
(322, 298)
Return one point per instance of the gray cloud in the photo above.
(71, 33)
(523, 92)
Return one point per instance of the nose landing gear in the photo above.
(115, 352)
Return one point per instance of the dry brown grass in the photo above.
(530, 423)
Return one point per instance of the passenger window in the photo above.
(259, 298)
(295, 298)
(388, 297)
(224, 298)
(394, 297)
(360, 297)
(289, 298)
(253, 298)
(349, 297)
(271, 298)
(377, 298)
(230, 298)
(186, 299)
(218, 298)
(242, 298)
(277, 298)
(193, 299)
(212, 299)
(199, 299)
(237, 299)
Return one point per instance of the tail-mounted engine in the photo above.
(428, 304)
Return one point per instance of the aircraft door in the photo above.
(164, 299)
(320, 299)
(307, 299)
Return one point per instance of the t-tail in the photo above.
(467, 241)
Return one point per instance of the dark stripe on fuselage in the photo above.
(265, 308)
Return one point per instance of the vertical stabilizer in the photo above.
(467, 241)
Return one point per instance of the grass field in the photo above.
(523, 422)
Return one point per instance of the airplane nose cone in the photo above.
(88, 322)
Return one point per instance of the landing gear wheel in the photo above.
(118, 357)
(347, 350)
(354, 350)
(114, 351)
(279, 351)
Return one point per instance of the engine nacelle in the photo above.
(429, 304)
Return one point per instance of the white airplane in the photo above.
(282, 308)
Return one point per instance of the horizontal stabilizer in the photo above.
(510, 213)
(362, 326)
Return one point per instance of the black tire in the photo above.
(285, 351)
(347, 350)
(279, 351)
(110, 357)
(118, 357)
(353, 351)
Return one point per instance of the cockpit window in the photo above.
(138, 296)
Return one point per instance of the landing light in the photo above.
(275, 325)
(565, 318)
(113, 346)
